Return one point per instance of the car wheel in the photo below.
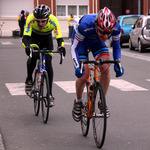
(141, 47)
(130, 45)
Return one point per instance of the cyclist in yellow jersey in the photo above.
(38, 35)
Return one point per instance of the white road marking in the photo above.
(7, 43)
(69, 86)
(148, 80)
(122, 85)
(125, 85)
(67, 43)
(16, 88)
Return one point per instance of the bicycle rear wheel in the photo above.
(45, 97)
(85, 121)
(99, 117)
(36, 94)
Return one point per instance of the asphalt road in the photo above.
(128, 100)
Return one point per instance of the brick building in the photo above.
(119, 7)
(63, 8)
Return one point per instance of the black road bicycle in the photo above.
(40, 90)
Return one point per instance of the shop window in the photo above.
(61, 10)
(72, 10)
(83, 10)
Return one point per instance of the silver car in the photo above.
(136, 39)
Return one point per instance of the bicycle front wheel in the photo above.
(85, 121)
(36, 94)
(99, 116)
(45, 97)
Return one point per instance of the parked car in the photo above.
(125, 21)
(136, 39)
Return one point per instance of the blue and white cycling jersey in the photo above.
(85, 37)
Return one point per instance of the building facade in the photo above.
(63, 8)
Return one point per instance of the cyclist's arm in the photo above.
(27, 31)
(60, 42)
(116, 42)
(56, 27)
(78, 38)
(57, 31)
(25, 41)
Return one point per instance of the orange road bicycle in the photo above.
(94, 103)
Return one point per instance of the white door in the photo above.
(12, 8)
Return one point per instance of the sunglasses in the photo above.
(38, 21)
(104, 32)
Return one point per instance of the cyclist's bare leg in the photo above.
(80, 82)
(105, 74)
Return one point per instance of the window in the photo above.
(83, 10)
(129, 20)
(72, 10)
(139, 23)
(61, 10)
(76, 10)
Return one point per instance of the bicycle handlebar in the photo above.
(47, 51)
(101, 62)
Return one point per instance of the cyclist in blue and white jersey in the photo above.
(91, 32)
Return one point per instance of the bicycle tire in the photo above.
(36, 94)
(45, 96)
(99, 120)
(85, 121)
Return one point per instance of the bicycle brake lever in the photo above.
(30, 52)
(119, 65)
(81, 66)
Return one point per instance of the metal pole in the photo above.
(139, 7)
(52, 6)
(37, 2)
(147, 7)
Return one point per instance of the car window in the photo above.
(139, 24)
(148, 23)
(129, 20)
(136, 23)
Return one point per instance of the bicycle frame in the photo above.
(41, 67)
(91, 88)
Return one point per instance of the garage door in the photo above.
(11, 8)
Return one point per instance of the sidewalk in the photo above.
(11, 24)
